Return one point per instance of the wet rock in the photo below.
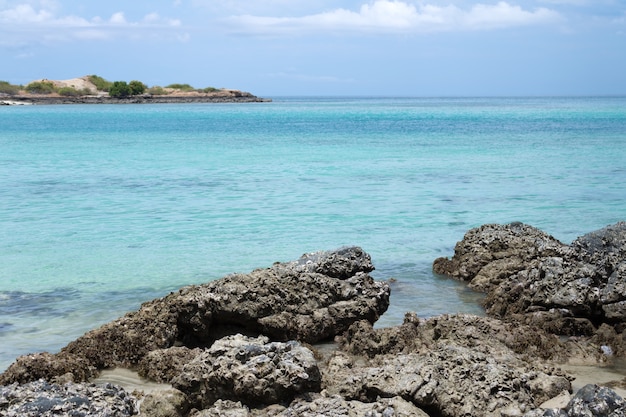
(288, 301)
(43, 399)
(250, 370)
(531, 277)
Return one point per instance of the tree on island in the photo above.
(137, 87)
(122, 89)
(119, 89)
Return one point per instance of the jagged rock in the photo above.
(489, 254)
(43, 399)
(225, 408)
(253, 371)
(294, 300)
(336, 406)
(491, 336)
(590, 401)
(449, 381)
(531, 277)
(452, 365)
(163, 365)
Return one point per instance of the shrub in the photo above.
(41, 87)
(7, 88)
(100, 83)
(157, 91)
(120, 89)
(73, 92)
(182, 87)
(137, 87)
(210, 90)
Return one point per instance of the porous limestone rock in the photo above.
(43, 399)
(533, 278)
(312, 299)
(450, 365)
(250, 370)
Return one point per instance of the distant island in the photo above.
(93, 89)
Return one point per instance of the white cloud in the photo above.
(24, 23)
(118, 19)
(392, 16)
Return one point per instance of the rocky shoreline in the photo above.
(244, 345)
(232, 96)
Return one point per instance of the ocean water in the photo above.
(103, 207)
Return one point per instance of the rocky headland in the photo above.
(247, 344)
(84, 91)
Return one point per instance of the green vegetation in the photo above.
(7, 88)
(120, 89)
(72, 92)
(100, 83)
(41, 87)
(137, 87)
(116, 89)
(182, 87)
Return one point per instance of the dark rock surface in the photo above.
(43, 399)
(288, 301)
(228, 97)
(238, 346)
(590, 401)
(533, 278)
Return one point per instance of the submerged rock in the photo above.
(312, 299)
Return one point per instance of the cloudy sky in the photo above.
(324, 47)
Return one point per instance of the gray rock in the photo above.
(452, 365)
(590, 401)
(43, 399)
(336, 406)
(165, 403)
(533, 278)
(449, 381)
(288, 301)
(250, 370)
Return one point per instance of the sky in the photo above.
(277, 48)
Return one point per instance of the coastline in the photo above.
(247, 343)
(234, 97)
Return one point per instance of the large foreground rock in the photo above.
(250, 370)
(311, 299)
(450, 366)
(531, 277)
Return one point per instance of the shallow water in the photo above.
(104, 207)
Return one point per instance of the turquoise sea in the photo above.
(103, 207)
